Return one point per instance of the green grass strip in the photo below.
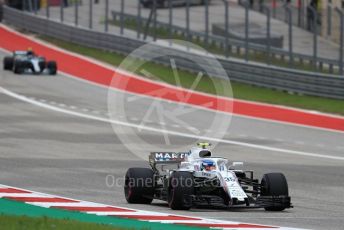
(45, 223)
(18, 215)
(240, 90)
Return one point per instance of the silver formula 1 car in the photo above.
(196, 178)
(28, 62)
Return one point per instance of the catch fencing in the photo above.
(257, 74)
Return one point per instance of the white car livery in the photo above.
(196, 178)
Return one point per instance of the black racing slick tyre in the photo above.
(181, 188)
(8, 63)
(139, 186)
(18, 67)
(52, 67)
(274, 184)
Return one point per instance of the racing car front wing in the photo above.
(260, 202)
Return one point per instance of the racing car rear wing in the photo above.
(166, 157)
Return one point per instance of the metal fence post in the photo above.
(329, 19)
(187, 20)
(138, 19)
(315, 35)
(246, 30)
(268, 34)
(206, 23)
(341, 50)
(274, 6)
(76, 13)
(29, 6)
(303, 8)
(154, 19)
(290, 33)
(48, 9)
(226, 27)
(146, 31)
(35, 6)
(122, 17)
(91, 14)
(170, 18)
(106, 23)
(299, 13)
(61, 11)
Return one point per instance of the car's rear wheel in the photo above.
(274, 184)
(181, 188)
(8, 63)
(139, 185)
(52, 67)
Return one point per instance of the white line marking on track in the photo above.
(67, 204)
(73, 107)
(128, 213)
(117, 122)
(300, 142)
(108, 66)
(278, 139)
(96, 112)
(20, 195)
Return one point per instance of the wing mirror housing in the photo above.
(236, 164)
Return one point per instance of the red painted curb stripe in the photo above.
(152, 217)
(142, 215)
(93, 209)
(93, 72)
(12, 190)
(215, 225)
(42, 199)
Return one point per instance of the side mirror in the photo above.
(237, 163)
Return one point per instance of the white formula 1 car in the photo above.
(28, 62)
(196, 178)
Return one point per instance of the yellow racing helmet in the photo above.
(203, 145)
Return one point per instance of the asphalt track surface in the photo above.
(67, 155)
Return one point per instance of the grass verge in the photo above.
(9, 222)
(19, 215)
(240, 90)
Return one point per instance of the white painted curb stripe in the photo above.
(132, 212)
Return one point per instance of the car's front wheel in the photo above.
(274, 184)
(139, 185)
(181, 188)
(52, 67)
